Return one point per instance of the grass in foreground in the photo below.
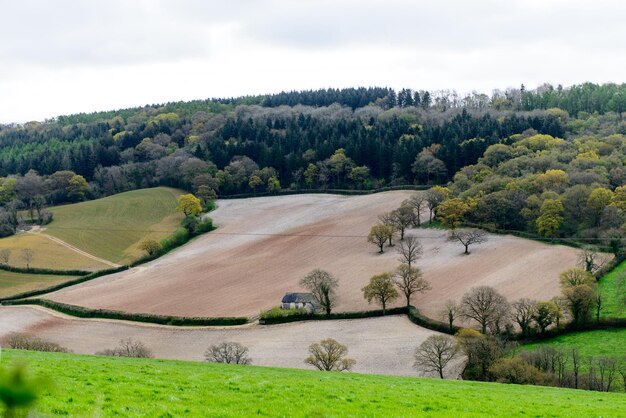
(610, 292)
(47, 254)
(99, 386)
(113, 227)
(610, 343)
(15, 283)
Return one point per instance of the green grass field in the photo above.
(15, 283)
(609, 289)
(113, 227)
(99, 386)
(611, 343)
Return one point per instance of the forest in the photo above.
(519, 148)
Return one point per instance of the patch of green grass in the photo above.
(612, 306)
(101, 386)
(14, 283)
(610, 343)
(112, 228)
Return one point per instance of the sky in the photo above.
(70, 56)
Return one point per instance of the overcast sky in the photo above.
(63, 56)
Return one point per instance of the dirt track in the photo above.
(379, 345)
(265, 245)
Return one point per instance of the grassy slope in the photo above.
(48, 254)
(113, 227)
(608, 286)
(14, 283)
(610, 343)
(96, 386)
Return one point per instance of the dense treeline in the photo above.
(351, 138)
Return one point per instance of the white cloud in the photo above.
(71, 56)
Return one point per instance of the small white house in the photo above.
(299, 301)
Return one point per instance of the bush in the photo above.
(178, 238)
(517, 371)
(128, 348)
(277, 312)
(151, 247)
(24, 342)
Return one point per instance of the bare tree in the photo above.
(575, 366)
(128, 348)
(380, 289)
(591, 260)
(607, 373)
(410, 250)
(379, 234)
(450, 311)
(5, 255)
(27, 256)
(227, 352)
(323, 285)
(417, 202)
(434, 354)
(468, 237)
(484, 305)
(410, 280)
(329, 355)
(523, 311)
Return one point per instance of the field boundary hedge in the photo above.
(347, 192)
(68, 283)
(34, 270)
(82, 312)
(602, 324)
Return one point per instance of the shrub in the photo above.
(128, 348)
(277, 312)
(24, 342)
(151, 247)
(517, 371)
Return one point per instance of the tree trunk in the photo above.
(381, 248)
(408, 299)
(466, 248)
(384, 306)
(440, 372)
(484, 327)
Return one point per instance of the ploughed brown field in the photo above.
(265, 245)
(379, 345)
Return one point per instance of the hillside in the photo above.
(264, 246)
(88, 386)
(16, 283)
(113, 227)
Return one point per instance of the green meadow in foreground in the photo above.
(113, 227)
(102, 386)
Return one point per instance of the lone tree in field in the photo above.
(189, 205)
(5, 255)
(417, 202)
(410, 250)
(410, 281)
(381, 290)
(468, 237)
(379, 234)
(128, 348)
(151, 247)
(388, 219)
(484, 305)
(450, 311)
(402, 218)
(434, 354)
(227, 352)
(27, 256)
(329, 355)
(323, 286)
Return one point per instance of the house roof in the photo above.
(298, 298)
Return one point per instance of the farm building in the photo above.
(299, 300)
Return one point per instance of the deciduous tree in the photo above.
(468, 237)
(323, 286)
(410, 280)
(410, 250)
(329, 355)
(381, 290)
(189, 205)
(434, 354)
(484, 305)
(227, 352)
(379, 234)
